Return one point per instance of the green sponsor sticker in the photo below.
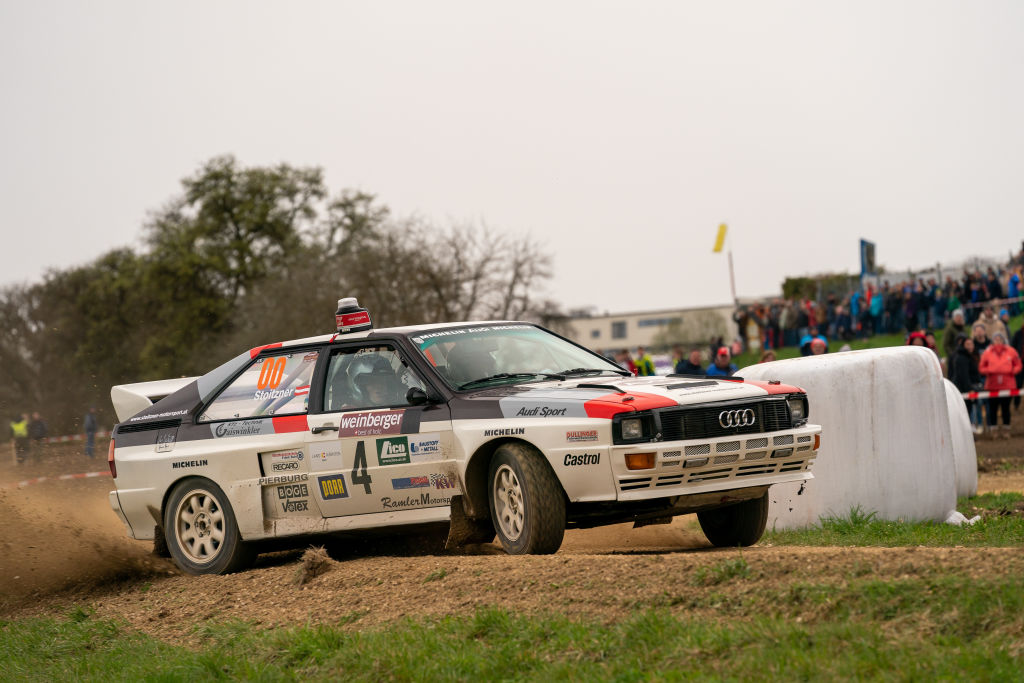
(393, 450)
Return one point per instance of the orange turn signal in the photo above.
(110, 459)
(817, 441)
(639, 461)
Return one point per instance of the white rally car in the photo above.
(490, 427)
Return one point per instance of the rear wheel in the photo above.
(527, 503)
(741, 524)
(201, 531)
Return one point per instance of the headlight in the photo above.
(796, 409)
(633, 428)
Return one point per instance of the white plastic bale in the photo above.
(886, 443)
(965, 457)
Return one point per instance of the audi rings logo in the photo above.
(737, 418)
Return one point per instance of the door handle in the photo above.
(324, 428)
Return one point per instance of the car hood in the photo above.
(603, 397)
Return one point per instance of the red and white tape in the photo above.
(974, 395)
(62, 477)
(70, 437)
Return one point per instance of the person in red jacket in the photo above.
(999, 364)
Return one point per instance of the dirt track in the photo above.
(62, 545)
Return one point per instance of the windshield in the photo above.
(482, 355)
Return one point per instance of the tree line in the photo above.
(245, 256)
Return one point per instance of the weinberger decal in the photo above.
(371, 423)
(393, 451)
(332, 487)
(581, 435)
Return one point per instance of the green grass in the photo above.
(1000, 526)
(919, 628)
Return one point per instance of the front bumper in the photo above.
(718, 464)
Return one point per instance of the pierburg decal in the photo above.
(332, 487)
(581, 435)
(283, 479)
(393, 451)
(577, 459)
(371, 423)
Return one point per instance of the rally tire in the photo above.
(526, 501)
(741, 524)
(201, 532)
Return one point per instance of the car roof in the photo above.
(403, 331)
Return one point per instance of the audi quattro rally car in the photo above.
(494, 428)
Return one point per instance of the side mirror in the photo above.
(417, 397)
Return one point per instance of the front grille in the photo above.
(702, 423)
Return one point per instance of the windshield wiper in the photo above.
(509, 375)
(580, 372)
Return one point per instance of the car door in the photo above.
(257, 424)
(371, 451)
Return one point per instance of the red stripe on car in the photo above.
(255, 352)
(775, 388)
(291, 423)
(610, 405)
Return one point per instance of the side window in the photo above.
(272, 385)
(368, 377)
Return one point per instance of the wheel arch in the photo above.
(474, 490)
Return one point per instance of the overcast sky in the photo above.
(618, 134)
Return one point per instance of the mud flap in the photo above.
(463, 530)
(160, 542)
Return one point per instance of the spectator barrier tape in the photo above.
(71, 437)
(974, 395)
(62, 477)
(995, 303)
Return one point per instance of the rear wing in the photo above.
(129, 399)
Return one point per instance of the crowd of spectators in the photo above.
(906, 307)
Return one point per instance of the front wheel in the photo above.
(741, 524)
(201, 531)
(527, 503)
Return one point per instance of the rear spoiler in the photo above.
(130, 399)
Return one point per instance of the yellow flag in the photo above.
(720, 240)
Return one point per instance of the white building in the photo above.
(657, 330)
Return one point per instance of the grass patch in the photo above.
(722, 572)
(937, 627)
(1001, 525)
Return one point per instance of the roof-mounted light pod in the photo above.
(350, 317)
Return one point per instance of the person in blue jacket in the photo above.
(722, 365)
